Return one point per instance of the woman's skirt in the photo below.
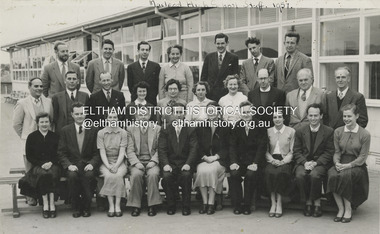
(113, 182)
(210, 175)
(278, 179)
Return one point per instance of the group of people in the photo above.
(322, 140)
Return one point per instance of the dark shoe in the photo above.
(53, 214)
(247, 210)
(118, 214)
(338, 219)
(76, 214)
(278, 215)
(317, 211)
(186, 211)
(219, 202)
(271, 214)
(31, 201)
(111, 214)
(171, 211)
(45, 214)
(203, 209)
(237, 210)
(152, 211)
(86, 213)
(136, 212)
(307, 211)
(346, 220)
(211, 209)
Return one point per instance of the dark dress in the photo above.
(353, 183)
(39, 150)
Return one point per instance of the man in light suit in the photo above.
(302, 97)
(313, 153)
(53, 76)
(62, 101)
(79, 157)
(142, 155)
(341, 97)
(250, 67)
(144, 70)
(24, 116)
(288, 65)
(217, 66)
(105, 64)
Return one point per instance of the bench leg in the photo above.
(16, 212)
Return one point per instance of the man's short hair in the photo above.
(178, 104)
(141, 84)
(344, 68)
(252, 40)
(108, 41)
(179, 47)
(316, 106)
(104, 73)
(173, 81)
(31, 80)
(308, 71)
(58, 43)
(245, 103)
(143, 43)
(221, 35)
(204, 83)
(293, 34)
(212, 103)
(70, 72)
(42, 115)
(75, 105)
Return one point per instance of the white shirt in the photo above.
(74, 92)
(77, 127)
(258, 61)
(196, 110)
(355, 130)
(105, 92)
(223, 54)
(343, 92)
(141, 63)
(231, 105)
(104, 64)
(307, 93)
(266, 90)
(60, 66)
(277, 147)
(315, 129)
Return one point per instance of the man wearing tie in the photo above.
(62, 101)
(79, 157)
(105, 64)
(53, 76)
(250, 67)
(144, 70)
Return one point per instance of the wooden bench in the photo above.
(13, 181)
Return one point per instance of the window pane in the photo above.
(156, 51)
(128, 33)
(117, 53)
(195, 71)
(236, 44)
(190, 23)
(328, 74)
(332, 11)
(190, 50)
(167, 44)
(128, 55)
(264, 16)
(154, 29)
(208, 45)
(340, 37)
(116, 36)
(374, 79)
(304, 30)
(140, 31)
(269, 41)
(95, 43)
(170, 26)
(296, 13)
(211, 19)
(372, 45)
(235, 17)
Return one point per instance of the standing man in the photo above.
(302, 97)
(313, 153)
(105, 64)
(62, 101)
(288, 65)
(251, 67)
(24, 117)
(217, 66)
(53, 76)
(341, 97)
(79, 157)
(144, 70)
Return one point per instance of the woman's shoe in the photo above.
(338, 219)
(203, 209)
(118, 214)
(211, 209)
(278, 215)
(346, 220)
(45, 214)
(53, 214)
(271, 214)
(111, 214)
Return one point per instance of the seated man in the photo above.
(313, 151)
(177, 150)
(143, 157)
(247, 155)
(79, 157)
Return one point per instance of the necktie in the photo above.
(287, 64)
(340, 95)
(143, 129)
(37, 101)
(303, 96)
(107, 66)
(72, 96)
(246, 130)
(80, 129)
(63, 70)
(220, 61)
(177, 131)
(108, 96)
(256, 62)
(143, 66)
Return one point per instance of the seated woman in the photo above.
(213, 148)
(178, 71)
(112, 141)
(42, 179)
(231, 101)
(196, 108)
(279, 155)
(141, 90)
(348, 180)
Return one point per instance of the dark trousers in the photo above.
(81, 185)
(309, 183)
(170, 182)
(250, 185)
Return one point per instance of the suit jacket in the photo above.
(24, 116)
(52, 79)
(95, 68)
(68, 149)
(316, 96)
(245, 150)
(135, 74)
(276, 97)
(248, 74)
(99, 99)
(60, 107)
(133, 149)
(323, 147)
(334, 117)
(178, 153)
(215, 77)
(290, 82)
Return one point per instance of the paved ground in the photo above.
(365, 219)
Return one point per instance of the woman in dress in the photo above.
(213, 148)
(348, 180)
(112, 141)
(197, 107)
(176, 70)
(42, 179)
(279, 156)
(231, 101)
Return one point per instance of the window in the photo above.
(269, 41)
(190, 50)
(328, 75)
(156, 51)
(127, 33)
(208, 45)
(236, 44)
(154, 29)
(116, 36)
(140, 31)
(373, 72)
(117, 53)
(190, 23)
(334, 11)
(264, 16)
(296, 13)
(304, 30)
(235, 17)
(170, 26)
(372, 42)
(128, 57)
(211, 19)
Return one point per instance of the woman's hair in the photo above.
(231, 77)
(42, 115)
(173, 81)
(204, 83)
(141, 84)
(169, 50)
(354, 108)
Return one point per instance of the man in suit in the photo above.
(302, 97)
(313, 152)
(344, 95)
(105, 64)
(24, 117)
(265, 95)
(62, 101)
(217, 66)
(53, 76)
(288, 65)
(79, 157)
(142, 155)
(247, 157)
(144, 70)
(250, 67)
(177, 150)
(106, 100)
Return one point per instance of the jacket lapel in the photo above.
(58, 73)
(306, 137)
(63, 100)
(150, 139)
(73, 134)
(29, 106)
(100, 66)
(347, 98)
(137, 139)
(334, 107)
(295, 61)
(114, 69)
(319, 138)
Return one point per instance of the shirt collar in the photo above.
(77, 127)
(172, 64)
(74, 92)
(105, 92)
(281, 130)
(60, 64)
(344, 92)
(223, 54)
(146, 62)
(315, 129)
(112, 130)
(104, 60)
(355, 130)
(197, 102)
(259, 57)
(265, 90)
(137, 102)
(307, 92)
